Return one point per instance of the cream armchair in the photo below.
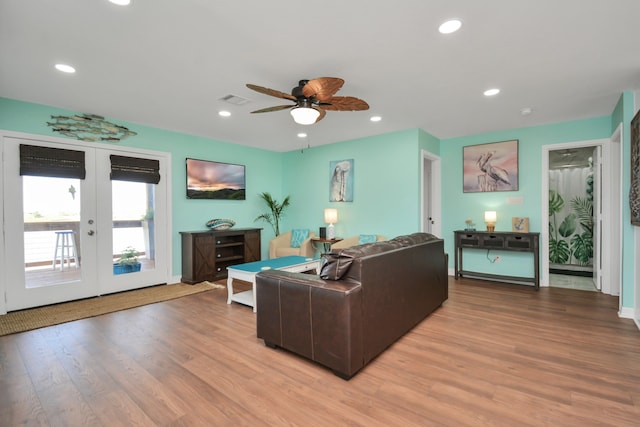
(353, 241)
(281, 246)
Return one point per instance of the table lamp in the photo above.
(490, 218)
(331, 217)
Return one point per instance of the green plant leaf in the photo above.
(582, 247)
(276, 211)
(558, 251)
(568, 226)
(583, 207)
(556, 202)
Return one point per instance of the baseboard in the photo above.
(626, 313)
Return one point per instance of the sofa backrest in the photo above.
(337, 264)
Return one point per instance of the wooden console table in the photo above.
(502, 241)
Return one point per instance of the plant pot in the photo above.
(126, 268)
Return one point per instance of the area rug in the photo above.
(34, 318)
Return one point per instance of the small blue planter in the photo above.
(127, 268)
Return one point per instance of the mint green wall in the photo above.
(623, 113)
(263, 168)
(458, 206)
(386, 185)
(428, 143)
(386, 180)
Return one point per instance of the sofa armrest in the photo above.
(280, 241)
(306, 248)
(284, 241)
(315, 318)
(353, 241)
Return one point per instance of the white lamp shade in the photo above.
(490, 216)
(331, 215)
(305, 115)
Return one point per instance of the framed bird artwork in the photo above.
(490, 167)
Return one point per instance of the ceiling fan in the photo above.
(313, 98)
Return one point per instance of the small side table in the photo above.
(326, 243)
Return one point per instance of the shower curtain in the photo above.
(571, 216)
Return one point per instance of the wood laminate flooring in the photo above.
(492, 355)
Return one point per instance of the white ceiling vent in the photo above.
(235, 100)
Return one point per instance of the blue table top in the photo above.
(272, 264)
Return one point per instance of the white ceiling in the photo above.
(167, 63)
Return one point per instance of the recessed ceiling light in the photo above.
(375, 118)
(450, 26)
(491, 92)
(302, 135)
(121, 2)
(224, 113)
(65, 68)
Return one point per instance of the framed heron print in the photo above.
(490, 167)
(341, 181)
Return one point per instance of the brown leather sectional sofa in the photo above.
(365, 298)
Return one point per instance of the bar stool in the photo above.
(66, 242)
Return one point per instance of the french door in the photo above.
(65, 235)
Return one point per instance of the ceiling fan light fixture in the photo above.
(305, 115)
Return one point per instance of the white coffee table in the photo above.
(248, 271)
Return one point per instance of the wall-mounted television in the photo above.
(215, 180)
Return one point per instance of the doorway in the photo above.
(67, 230)
(430, 203)
(580, 201)
(574, 196)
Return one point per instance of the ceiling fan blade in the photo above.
(271, 92)
(322, 114)
(345, 103)
(323, 88)
(276, 108)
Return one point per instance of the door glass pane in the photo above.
(51, 212)
(133, 208)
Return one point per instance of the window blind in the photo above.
(135, 169)
(54, 162)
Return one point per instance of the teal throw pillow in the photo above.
(298, 236)
(367, 238)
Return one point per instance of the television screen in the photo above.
(214, 180)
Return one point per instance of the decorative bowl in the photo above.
(220, 223)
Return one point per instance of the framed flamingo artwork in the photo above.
(490, 167)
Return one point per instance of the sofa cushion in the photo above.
(367, 238)
(335, 265)
(298, 236)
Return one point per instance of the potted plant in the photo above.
(276, 211)
(128, 261)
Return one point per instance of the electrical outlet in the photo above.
(497, 259)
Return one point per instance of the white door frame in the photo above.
(430, 187)
(611, 232)
(163, 266)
